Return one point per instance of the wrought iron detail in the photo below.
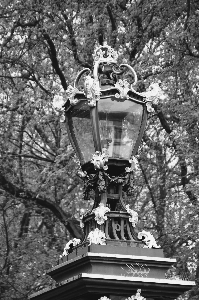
(92, 90)
(105, 54)
(123, 87)
(99, 179)
(71, 92)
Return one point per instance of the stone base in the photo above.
(91, 272)
(92, 287)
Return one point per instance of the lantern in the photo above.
(104, 114)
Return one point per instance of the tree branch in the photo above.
(7, 241)
(66, 219)
(53, 56)
(74, 43)
(113, 24)
(44, 137)
(188, 14)
(162, 119)
(148, 185)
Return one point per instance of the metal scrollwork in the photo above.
(98, 181)
(148, 239)
(123, 87)
(92, 90)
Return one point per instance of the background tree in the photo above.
(43, 45)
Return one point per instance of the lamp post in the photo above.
(105, 119)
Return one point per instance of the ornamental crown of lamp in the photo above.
(105, 120)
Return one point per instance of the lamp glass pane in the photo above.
(119, 121)
(81, 130)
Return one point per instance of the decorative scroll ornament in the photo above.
(92, 90)
(100, 213)
(69, 246)
(123, 87)
(100, 180)
(97, 237)
(71, 92)
(99, 159)
(82, 174)
(137, 296)
(148, 239)
(134, 165)
(81, 224)
(149, 106)
(105, 54)
(134, 216)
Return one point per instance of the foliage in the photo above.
(43, 44)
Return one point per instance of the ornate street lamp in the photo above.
(105, 120)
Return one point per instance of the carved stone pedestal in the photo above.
(114, 271)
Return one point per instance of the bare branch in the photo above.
(53, 56)
(74, 43)
(113, 24)
(66, 219)
(7, 241)
(44, 137)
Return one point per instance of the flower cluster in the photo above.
(97, 237)
(148, 239)
(100, 213)
(134, 216)
(99, 159)
(69, 246)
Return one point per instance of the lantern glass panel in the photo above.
(119, 121)
(81, 130)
